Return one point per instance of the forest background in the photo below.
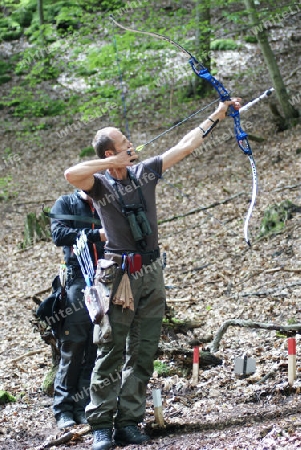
(66, 71)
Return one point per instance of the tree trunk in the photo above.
(202, 42)
(270, 60)
(36, 229)
(41, 21)
(41, 12)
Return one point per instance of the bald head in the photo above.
(104, 140)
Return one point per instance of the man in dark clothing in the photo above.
(78, 353)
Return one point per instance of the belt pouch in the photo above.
(134, 262)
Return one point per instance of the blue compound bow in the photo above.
(240, 134)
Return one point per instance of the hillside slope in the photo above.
(211, 276)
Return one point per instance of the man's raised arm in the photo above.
(195, 138)
(82, 175)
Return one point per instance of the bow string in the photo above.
(241, 136)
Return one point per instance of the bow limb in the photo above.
(254, 192)
(241, 136)
(151, 33)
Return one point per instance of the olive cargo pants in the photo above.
(118, 397)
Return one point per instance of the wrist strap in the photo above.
(205, 133)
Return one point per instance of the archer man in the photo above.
(123, 194)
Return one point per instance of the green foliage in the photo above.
(280, 335)
(26, 103)
(43, 70)
(131, 63)
(87, 151)
(5, 69)
(62, 16)
(48, 381)
(65, 17)
(251, 39)
(80, 57)
(68, 18)
(25, 18)
(36, 228)
(161, 368)
(4, 79)
(34, 126)
(7, 151)
(17, 18)
(41, 63)
(6, 397)
(275, 217)
(224, 44)
(85, 72)
(72, 46)
(110, 5)
(10, 35)
(95, 106)
(291, 321)
(37, 65)
(105, 57)
(6, 185)
(234, 15)
(10, 29)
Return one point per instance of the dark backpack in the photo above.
(49, 309)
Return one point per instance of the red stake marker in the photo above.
(291, 343)
(195, 365)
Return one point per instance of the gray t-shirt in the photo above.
(109, 209)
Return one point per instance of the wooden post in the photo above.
(291, 343)
(159, 419)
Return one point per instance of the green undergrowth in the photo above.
(7, 188)
(224, 44)
(87, 151)
(5, 71)
(6, 397)
(161, 368)
(276, 216)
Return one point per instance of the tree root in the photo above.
(250, 324)
(66, 437)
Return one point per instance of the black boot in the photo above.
(65, 420)
(80, 417)
(129, 435)
(102, 439)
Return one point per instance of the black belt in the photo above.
(147, 257)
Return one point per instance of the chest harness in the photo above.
(134, 212)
